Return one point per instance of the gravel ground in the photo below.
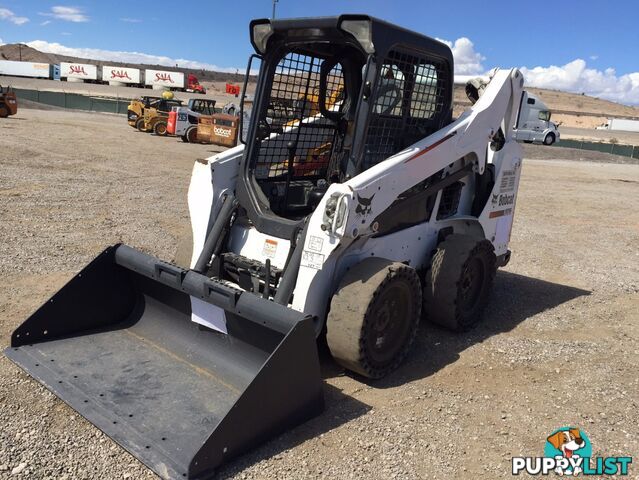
(560, 344)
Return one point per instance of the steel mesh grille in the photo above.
(307, 140)
(409, 101)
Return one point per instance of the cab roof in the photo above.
(383, 35)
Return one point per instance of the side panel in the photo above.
(210, 179)
(164, 78)
(121, 75)
(498, 214)
(250, 243)
(24, 69)
(81, 71)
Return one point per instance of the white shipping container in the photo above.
(120, 75)
(164, 78)
(623, 124)
(83, 71)
(24, 69)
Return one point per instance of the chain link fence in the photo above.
(631, 151)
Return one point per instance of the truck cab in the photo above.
(193, 85)
(533, 123)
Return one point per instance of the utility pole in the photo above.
(274, 3)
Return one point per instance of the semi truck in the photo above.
(622, 124)
(533, 122)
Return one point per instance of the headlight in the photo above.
(261, 33)
(361, 30)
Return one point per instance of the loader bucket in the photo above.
(118, 345)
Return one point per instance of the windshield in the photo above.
(544, 115)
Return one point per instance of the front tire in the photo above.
(374, 317)
(191, 135)
(4, 111)
(549, 139)
(458, 283)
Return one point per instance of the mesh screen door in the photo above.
(306, 141)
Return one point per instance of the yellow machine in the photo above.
(135, 110)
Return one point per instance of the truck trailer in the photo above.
(29, 69)
(78, 72)
(622, 124)
(120, 75)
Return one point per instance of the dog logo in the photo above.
(568, 451)
(567, 443)
(363, 207)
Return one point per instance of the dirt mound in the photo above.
(24, 53)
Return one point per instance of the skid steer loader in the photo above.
(352, 223)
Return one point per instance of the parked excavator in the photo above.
(352, 220)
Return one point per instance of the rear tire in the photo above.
(160, 129)
(458, 283)
(549, 139)
(374, 317)
(139, 124)
(4, 111)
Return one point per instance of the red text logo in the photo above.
(78, 69)
(120, 74)
(163, 77)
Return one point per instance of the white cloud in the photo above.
(68, 14)
(467, 60)
(8, 15)
(125, 57)
(574, 76)
(130, 20)
(577, 77)
(46, 22)
(1, 42)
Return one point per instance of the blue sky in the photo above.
(604, 35)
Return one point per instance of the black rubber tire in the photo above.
(191, 135)
(4, 111)
(375, 297)
(139, 124)
(458, 283)
(160, 129)
(184, 138)
(549, 139)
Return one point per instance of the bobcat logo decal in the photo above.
(363, 205)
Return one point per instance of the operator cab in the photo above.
(334, 98)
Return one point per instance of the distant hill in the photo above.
(25, 53)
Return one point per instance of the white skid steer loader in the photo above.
(354, 217)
